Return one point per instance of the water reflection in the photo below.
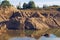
(51, 36)
(30, 34)
(22, 38)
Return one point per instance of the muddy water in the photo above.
(53, 34)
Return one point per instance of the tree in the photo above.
(55, 6)
(19, 6)
(38, 7)
(58, 9)
(25, 6)
(5, 3)
(31, 4)
(45, 6)
(5, 0)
